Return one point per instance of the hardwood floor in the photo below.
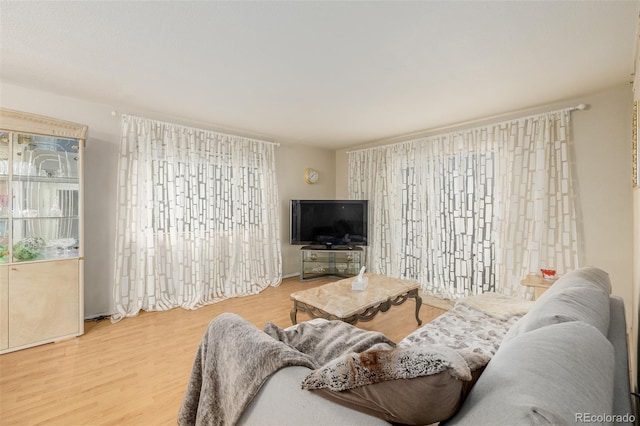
(136, 371)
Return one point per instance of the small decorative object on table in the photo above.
(541, 282)
(360, 282)
(548, 274)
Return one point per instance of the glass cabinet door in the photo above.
(4, 197)
(44, 205)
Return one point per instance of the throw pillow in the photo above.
(416, 385)
(373, 366)
(419, 401)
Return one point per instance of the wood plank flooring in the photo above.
(135, 372)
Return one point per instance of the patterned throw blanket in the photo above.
(474, 327)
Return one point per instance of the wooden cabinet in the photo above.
(44, 300)
(41, 230)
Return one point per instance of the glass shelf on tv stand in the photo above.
(317, 261)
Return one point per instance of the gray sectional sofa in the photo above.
(564, 362)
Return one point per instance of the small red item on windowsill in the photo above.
(548, 273)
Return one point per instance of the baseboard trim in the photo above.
(436, 302)
(296, 274)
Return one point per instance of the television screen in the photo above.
(329, 222)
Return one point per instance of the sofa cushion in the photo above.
(419, 401)
(282, 402)
(618, 337)
(588, 274)
(547, 376)
(575, 299)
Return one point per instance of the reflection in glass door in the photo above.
(45, 184)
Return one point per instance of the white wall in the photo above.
(634, 338)
(291, 163)
(602, 139)
(100, 178)
(602, 145)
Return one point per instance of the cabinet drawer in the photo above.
(349, 256)
(316, 256)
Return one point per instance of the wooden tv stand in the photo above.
(317, 261)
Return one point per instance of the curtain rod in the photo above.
(118, 114)
(452, 127)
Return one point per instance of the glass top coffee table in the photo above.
(336, 301)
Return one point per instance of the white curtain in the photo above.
(471, 211)
(197, 217)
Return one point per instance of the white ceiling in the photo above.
(330, 73)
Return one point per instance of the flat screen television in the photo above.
(329, 222)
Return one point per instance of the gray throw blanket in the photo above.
(235, 358)
(326, 340)
(232, 362)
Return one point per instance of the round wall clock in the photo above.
(310, 175)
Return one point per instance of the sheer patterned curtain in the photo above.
(471, 211)
(197, 217)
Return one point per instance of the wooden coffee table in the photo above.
(336, 301)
